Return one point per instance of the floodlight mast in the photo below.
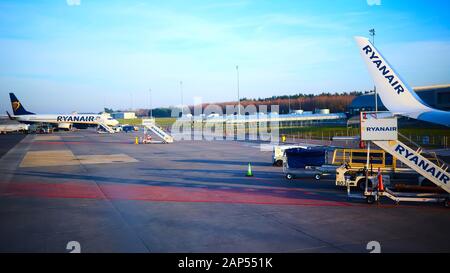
(372, 33)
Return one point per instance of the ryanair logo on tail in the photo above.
(393, 81)
(15, 105)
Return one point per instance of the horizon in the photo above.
(75, 55)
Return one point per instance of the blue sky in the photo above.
(58, 57)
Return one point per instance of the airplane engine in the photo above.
(65, 126)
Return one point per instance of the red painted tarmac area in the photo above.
(113, 191)
(41, 142)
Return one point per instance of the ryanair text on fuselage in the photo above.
(383, 69)
(73, 118)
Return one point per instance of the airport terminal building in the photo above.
(124, 115)
(436, 96)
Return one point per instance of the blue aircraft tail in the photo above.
(17, 107)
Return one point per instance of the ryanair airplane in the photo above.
(61, 121)
(395, 94)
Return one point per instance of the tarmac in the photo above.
(112, 195)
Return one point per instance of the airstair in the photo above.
(106, 127)
(435, 172)
(150, 125)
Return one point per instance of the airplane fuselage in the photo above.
(61, 121)
(66, 119)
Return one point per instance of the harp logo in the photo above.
(16, 105)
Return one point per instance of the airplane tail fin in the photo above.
(17, 107)
(395, 94)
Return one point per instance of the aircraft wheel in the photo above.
(289, 176)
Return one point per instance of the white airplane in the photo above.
(9, 128)
(396, 95)
(61, 121)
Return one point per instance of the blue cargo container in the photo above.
(301, 162)
(127, 128)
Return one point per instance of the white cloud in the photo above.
(374, 2)
(73, 2)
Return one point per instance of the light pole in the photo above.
(289, 96)
(239, 99)
(372, 33)
(131, 96)
(299, 101)
(150, 93)
(181, 94)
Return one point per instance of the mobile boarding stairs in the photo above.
(149, 124)
(104, 127)
(387, 139)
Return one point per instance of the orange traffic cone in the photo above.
(362, 145)
(380, 181)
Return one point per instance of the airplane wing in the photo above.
(394, 92)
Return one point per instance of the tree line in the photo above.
(336, 102)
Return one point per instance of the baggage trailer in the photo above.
(300, 162)
(278, 153)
